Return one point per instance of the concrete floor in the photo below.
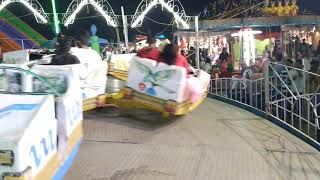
(215, 142)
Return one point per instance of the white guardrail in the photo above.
(286, 94)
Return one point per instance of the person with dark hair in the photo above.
(63, 56)
(93, 72)
(170, 55)
(150, 52)
(85, 54)
(224, 55)
(318, 50)
(184, 53)
(304, 48)
(83, 39)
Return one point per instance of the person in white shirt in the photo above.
(93, 74)
(85, 54)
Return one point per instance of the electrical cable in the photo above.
(140, 31)
(159, 32)
(165, 24)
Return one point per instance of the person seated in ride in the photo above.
(92, 75)
(171, 56)
(150, 52)
(85, 54)
(63, 55)
(224, 55)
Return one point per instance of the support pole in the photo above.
(125, 29)
(118, 36)
(197, 42)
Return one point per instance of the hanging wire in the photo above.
(168, 26)
(165, 24)
(140, 31)
(164, 29)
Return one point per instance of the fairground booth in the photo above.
(247, 39)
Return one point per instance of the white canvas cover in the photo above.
(29, 130)
(204, 79)
(158, 80)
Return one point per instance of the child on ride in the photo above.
(150, 52)
(170, 55)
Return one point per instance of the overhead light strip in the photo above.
(73, 15)
(143, 14)
(106, 16)
(29, 6)
(176, 16)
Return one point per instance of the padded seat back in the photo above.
(121, 62)
(69, 106)
(94, 84)
(64, 78)
(157, 79)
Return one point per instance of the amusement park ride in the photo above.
(49, 100)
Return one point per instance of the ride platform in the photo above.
(216, 141)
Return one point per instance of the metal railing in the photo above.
(287, 94)
(245, 91)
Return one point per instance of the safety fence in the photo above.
(285, 94)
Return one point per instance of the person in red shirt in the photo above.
(150, 52)
(171, 56)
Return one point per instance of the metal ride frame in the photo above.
(32, 5)
(102, 6)
(287, 96)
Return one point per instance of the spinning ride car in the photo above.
(92, 80)
(159, 87)
(41, 129)
(119, 65)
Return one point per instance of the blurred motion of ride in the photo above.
(42, 107)
(42, 112)
(160, 87)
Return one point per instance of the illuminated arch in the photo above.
(33, 5)
(102, 6)
(173, 6)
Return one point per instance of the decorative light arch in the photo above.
(33, 5)
(102, 6)
(173, 6)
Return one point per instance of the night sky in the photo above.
(192, 7)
